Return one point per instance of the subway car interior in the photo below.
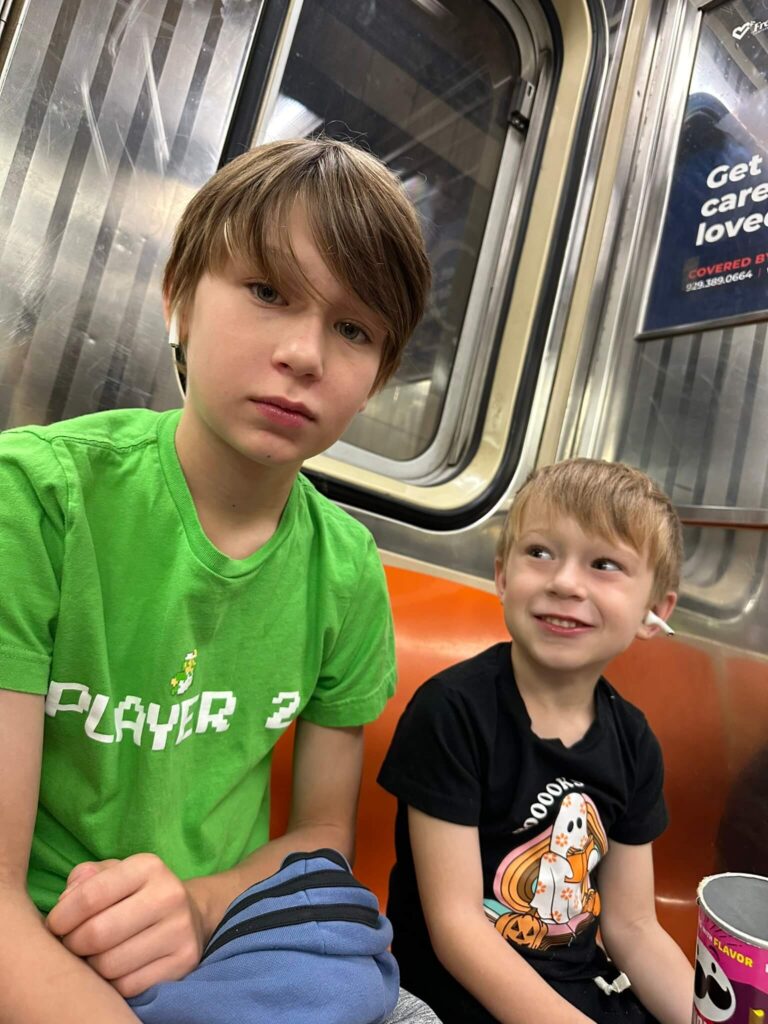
(589, 177)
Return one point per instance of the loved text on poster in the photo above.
(712, 260)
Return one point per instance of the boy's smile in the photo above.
(572, 600)
(277, 372)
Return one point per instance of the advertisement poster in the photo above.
(712, 260)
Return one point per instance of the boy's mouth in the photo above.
(562, 623)
(283, 408)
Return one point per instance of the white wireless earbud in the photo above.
(178, 352)
(173, 331)
(652, 619)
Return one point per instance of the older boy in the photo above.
(519, 771)
(175, 594)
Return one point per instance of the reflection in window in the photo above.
(427, 86)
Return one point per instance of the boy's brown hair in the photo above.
(360, 217)
(609, 499)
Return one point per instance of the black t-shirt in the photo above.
(464, 752)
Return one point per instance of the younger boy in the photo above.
(175, 594)
(521, 770)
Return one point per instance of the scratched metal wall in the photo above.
(690, 409)
(111, 116)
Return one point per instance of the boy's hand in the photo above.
(133, 920)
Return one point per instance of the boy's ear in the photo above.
(663, 609)
(500, 576)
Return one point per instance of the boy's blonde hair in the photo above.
(609, 499)
(361, 220)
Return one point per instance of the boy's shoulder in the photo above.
(34, 458)
(115, 428)
(630, 720)
(472, 682)
(486, 664)
(330, 520)
(618, 702)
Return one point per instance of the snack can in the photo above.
(732, 950)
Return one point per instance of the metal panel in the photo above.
(690, 411)
(111, 116)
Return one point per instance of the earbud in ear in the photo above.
(179, 356)
(652, 619)
(173, 331)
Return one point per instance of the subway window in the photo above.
(428, 86)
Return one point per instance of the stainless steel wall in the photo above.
(688, 409)
(111, 116)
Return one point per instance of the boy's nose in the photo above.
(300, 349)
(568, 581)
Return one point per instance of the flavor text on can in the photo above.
(732, 950)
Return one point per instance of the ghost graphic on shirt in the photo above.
(543, 887)
(562, 887)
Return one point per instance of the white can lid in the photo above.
(738, 903)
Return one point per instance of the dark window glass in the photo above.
(427, 86)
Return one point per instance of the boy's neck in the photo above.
(560, 705)
(238, 502)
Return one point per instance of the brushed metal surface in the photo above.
(111, 116)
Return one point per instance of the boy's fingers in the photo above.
(104, 931)
(139, 951)
(139, 981)
(134, 915)
(87, 869)
(134, 921)
(95, 894)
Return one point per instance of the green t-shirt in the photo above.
(170, 669)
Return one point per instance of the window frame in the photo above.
(487, 301)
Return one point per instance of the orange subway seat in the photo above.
(675, 684)
(745, 709)
(437, 623)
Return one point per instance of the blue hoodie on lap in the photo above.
(305, 946)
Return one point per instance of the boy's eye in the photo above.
(607, 565)
(351, 332)
(266, 293)
(538, 551)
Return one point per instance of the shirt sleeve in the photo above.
(646, 815)
(435, 761)
(32, 502)
(358, 676)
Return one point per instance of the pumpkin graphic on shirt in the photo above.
(543, 887)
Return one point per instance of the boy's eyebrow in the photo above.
(280, 276)
(620, 545)
(624, 549)
(533, 535)
(296, 280)
(278, 260)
